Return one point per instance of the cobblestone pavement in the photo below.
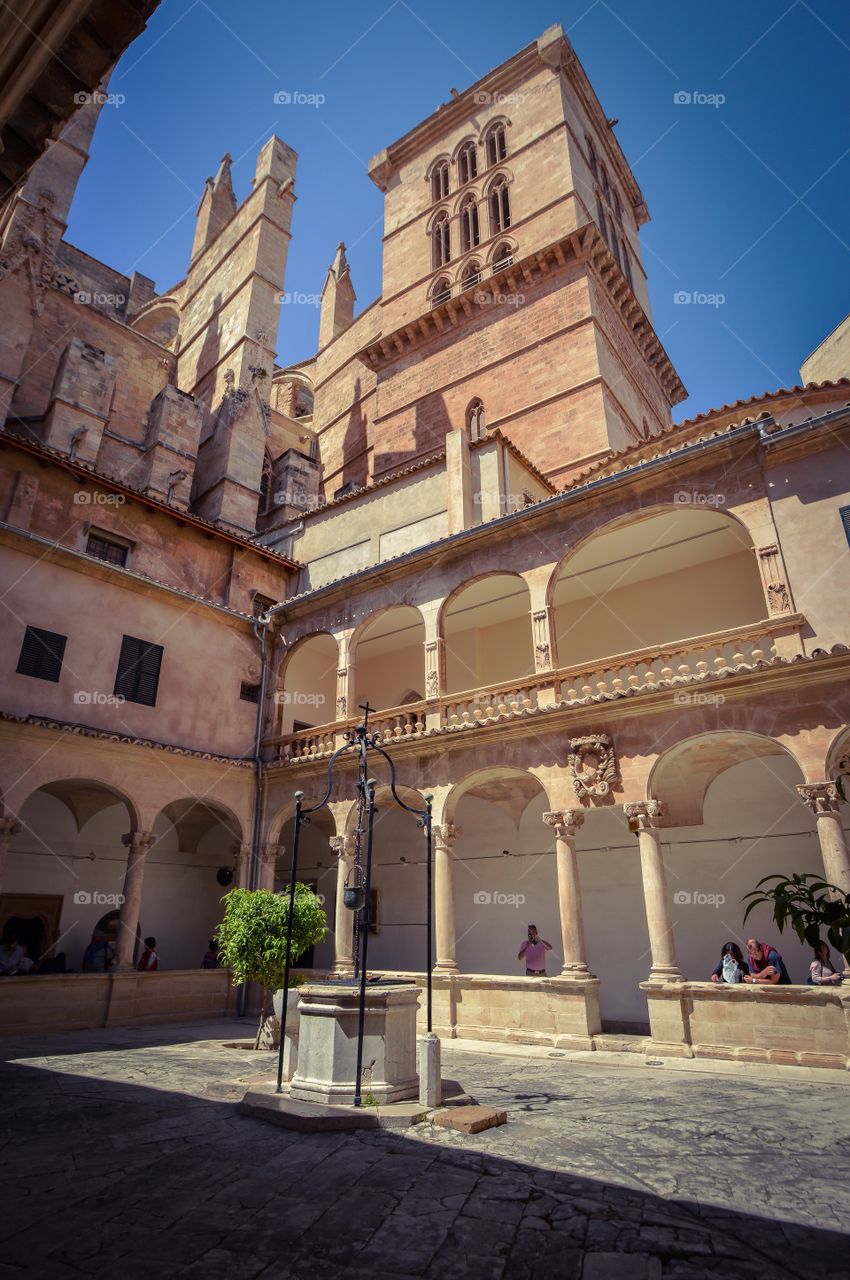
(124, 1156)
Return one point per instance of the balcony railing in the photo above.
(685, 663)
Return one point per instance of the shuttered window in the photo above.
(249, 692)
(41, 654)
(137, 678)
(113, 552)
(844, 512)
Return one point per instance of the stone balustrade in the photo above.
(681, 667)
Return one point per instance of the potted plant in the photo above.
(810, 904)
(252, 938)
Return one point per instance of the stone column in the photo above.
(823, 800)
(565, 824)
(444, 895)
(343, 849)
(138, 844)
(242, 857)
(645, 815)
(269, 854)
(9, 828)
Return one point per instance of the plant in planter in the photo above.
(810, 905)
(252, 937)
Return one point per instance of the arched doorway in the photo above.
(65, 868)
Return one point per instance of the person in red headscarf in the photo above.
(766, 964)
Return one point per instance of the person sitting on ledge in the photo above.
(731, 967)
(766, 964)
(210, 960)
(533, 951)
(14, 961)
(823, 971)
(148, 960)
(99, 954)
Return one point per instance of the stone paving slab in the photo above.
(120, 1158)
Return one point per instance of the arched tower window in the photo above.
(627, 266)
(470, 235)
(467, 163)
(500, 206)
(441, 241)
(471, 275)
(497, 145)
(591, 158)
(475, 427)
(440, 181)
(265, 486)
(502, 257)
(441, 291)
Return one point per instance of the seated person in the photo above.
(823, 971)
(148, 960)
(99, 954)
(731, 967)
(766, 964)
(210, 960)
(13, 958)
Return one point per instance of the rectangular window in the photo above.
(137, 677)
(41, 654)
(112, 550)
(844, 512)
(249, 692)
(262, 604)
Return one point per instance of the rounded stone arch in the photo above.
(838, 758)
(83, 794)
(293, 393)
(655, 550)
(502, 252)
(387, 653)
(500, 121)
(468, 139)
(305, 692)
(192, 819)
(441, 212)
(159, 320)
(488, 606)
(285, 814)
(488, 784)
(682, 775)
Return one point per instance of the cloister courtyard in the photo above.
(125, 1154)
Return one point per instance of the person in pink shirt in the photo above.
(533, 951)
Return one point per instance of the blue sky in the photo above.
(749, 197)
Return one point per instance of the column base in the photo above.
(576, 972)
(665, 973)
(446, 966)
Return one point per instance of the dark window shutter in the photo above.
(41, 654)
(137, 678)
(844, 512)
(249, 692)
(105, 549)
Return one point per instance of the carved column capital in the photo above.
(820, 797)
(269, 853)
(647, 814)
(9, 828)
(139, 842)
(565, 822)
(342, 846)
(446, 834)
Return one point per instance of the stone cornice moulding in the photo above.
(66, 728)
(584, 245)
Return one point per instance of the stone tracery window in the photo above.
(467, 163)
(497, 144)
(470, 234)
(440, 181)
(441, 291)
(471, 275)
(475, 425)
(441, 242)
(500, 206)
(502, 257)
